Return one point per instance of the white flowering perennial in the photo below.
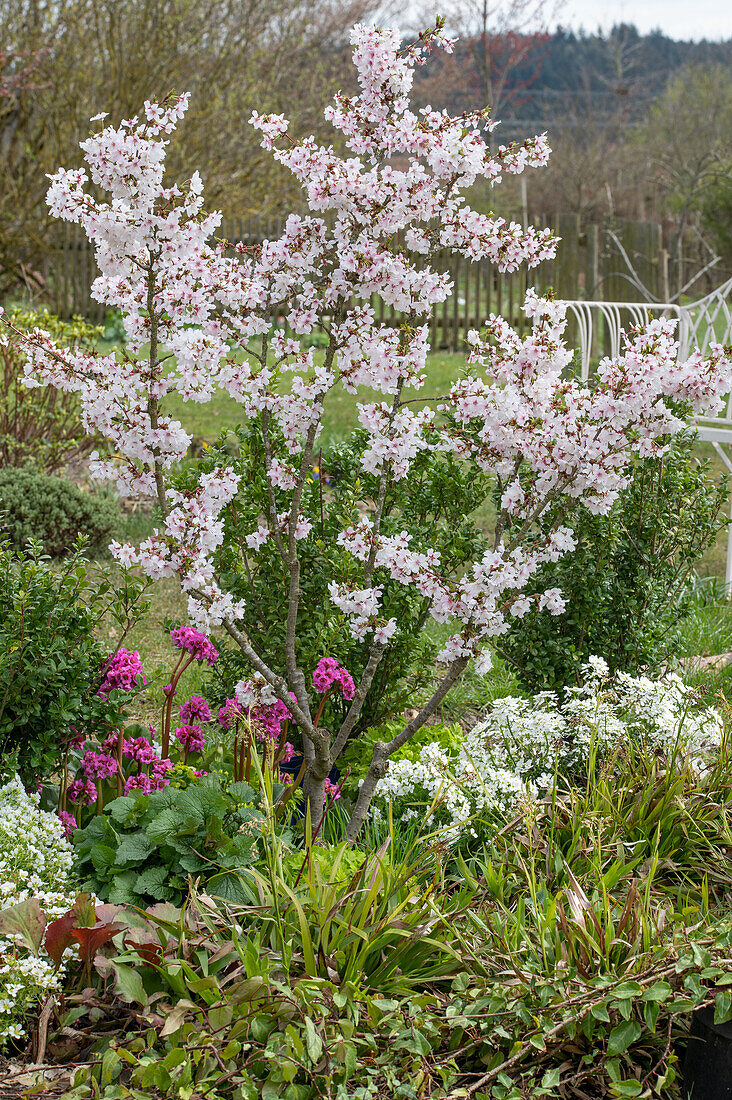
(35, 861)
(517, 752)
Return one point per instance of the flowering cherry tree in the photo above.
(198, 318)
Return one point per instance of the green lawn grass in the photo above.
(206, 421)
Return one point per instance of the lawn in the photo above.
(206, 422)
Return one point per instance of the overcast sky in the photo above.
(683, 19)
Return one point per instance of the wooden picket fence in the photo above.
(592, 262)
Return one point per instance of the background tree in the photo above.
(687, 136)
(65, 60)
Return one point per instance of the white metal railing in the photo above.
(700, 323)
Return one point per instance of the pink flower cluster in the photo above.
(83, 791)
(269, 720)
(122, 672)
(229, 713)
(332, 791)
(154, 781)
(195, 710)
(198, 644)
(328, 672)
(191, 738)
(69, 823)
(98, 765)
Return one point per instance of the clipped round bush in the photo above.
(35, 862)
(52, 512)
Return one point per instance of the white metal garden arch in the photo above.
(701, 323)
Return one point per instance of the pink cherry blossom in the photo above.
(383, 204)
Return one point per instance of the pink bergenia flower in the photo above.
(194, 710)
(191, 738)
(332, 791)
(328, 672)
(197, 644)
(123, 672)
(258, 701)
(288, 753)
(141, 783)
(69, 823)
(140, 750)
(268, 720)
(98, 765)
(158, 769)
(228, 714)
(83, 791)
(155, 781)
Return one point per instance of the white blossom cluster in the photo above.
(524, 744)
(35, 861)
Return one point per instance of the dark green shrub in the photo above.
(626, 584)
(434, 504)
(40, 427)
(52, 512)
(50, 659)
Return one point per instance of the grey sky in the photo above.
(711, 19)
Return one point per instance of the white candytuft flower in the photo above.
(515, 754)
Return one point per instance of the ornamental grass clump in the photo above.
(197, 314)
(36, 861)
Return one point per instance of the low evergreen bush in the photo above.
(627, 582)
(53, 512)
(52, 659)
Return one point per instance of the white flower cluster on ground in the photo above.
(35, 861)
(517, 752)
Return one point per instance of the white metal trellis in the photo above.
(700, 323)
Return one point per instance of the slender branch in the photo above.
(153, 403)
(384, 749)
(278, 683)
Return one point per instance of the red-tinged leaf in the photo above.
(147, 949)
(107, 914)
(58, 936)
(25, 920)
(90, 940)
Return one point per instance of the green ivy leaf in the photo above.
(626, 1088)
(723, 1007)
(622, 1036)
